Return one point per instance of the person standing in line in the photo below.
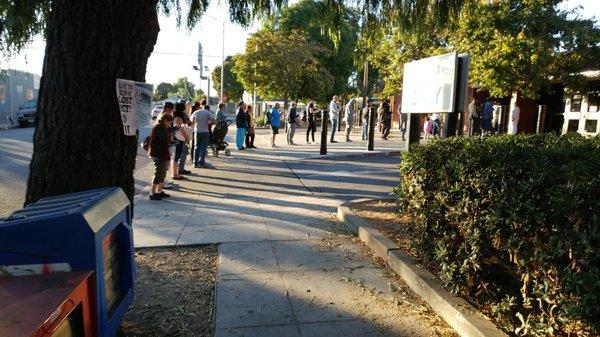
(386, 119)
(220, 116)
(202, 120)
(365, 122)
(182, 139)
(403, 122)
(275, 122)
(350, 109)
(241, 122)
(428, 127)
(436, 124)
(311, 112)
(250, 131)
(334, 116)
(179, 158)
(160, 142)
(168, 109)
(516, 112)
(293, 123)
(488, 111)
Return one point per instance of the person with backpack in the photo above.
(241, 122)
(160, 142)
(274, 118)
(293, 123)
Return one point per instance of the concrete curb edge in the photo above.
(356, 155)
(460, 315)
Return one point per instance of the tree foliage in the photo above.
(234, 90)
(515, 45)
(181, 88)
(311, 17)
(518, 45)
(283, 65)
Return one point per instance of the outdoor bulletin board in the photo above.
(429, 84)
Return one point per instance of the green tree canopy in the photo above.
(515, 45)
(312, 17)
(234, 90)
(283, 65)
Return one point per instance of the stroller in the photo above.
(217, 142)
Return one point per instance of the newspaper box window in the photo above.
(88, 230)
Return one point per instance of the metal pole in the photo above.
(323, 134)
(208, 92)
(222, 60)
(371, 142)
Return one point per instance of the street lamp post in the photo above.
(222, 51)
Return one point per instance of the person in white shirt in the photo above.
(182, 137)
(202, 119)
(334, 115)
(516, 112)
(350, 109)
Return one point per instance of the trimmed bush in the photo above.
(513, 224)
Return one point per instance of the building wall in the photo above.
(582, 113)
(16, 87)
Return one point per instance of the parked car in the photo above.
(156, 111)
(26, 115)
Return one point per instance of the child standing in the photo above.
(428, 126)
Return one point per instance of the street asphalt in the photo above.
(16, 148)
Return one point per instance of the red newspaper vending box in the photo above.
(52, 305)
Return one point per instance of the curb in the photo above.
(460, 315)
(357, 155)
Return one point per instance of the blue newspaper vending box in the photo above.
(89, 230)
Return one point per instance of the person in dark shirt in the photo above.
(293, 123)
(160, 142)
(311, 112)
(241, 122)
(386, 119)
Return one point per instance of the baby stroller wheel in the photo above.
(215, 153)
(227, 152)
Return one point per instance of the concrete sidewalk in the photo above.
(287, 267)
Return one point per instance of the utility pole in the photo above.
(222, 61)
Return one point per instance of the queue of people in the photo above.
(179, 127)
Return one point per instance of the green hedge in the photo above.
(512, 223)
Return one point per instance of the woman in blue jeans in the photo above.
(241, 121)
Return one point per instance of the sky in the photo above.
(175, 52)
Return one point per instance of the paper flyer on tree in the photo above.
(135, 102)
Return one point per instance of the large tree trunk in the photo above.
(79, 142)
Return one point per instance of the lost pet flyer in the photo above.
(135, 102)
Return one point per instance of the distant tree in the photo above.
(515, 45)
(518, 45)
(91, 43)
(234, 90)
(283, 65)
(312, 17)
(162, 91)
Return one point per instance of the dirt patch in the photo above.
(174, 292)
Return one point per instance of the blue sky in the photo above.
(175, 51)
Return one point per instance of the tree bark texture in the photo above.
(79, 142)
